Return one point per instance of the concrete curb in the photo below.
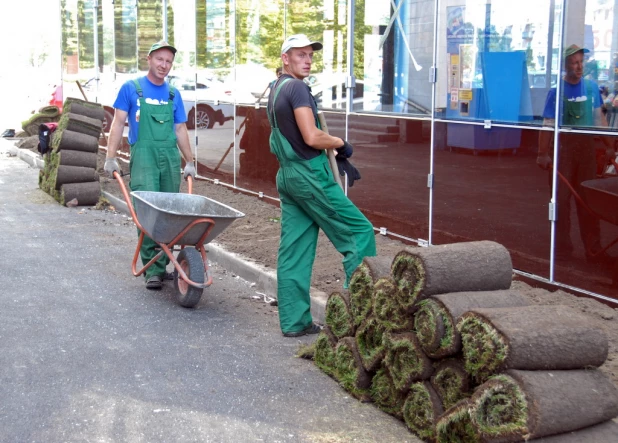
(265, 280)
(33, 159)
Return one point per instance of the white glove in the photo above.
(111, 165)
(189, 171)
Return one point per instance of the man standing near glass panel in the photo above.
(310, 197)
(156, 130)
(580, 108)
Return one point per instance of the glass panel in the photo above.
(125, 25)
(149, 28)
(256, 167)
(392, 156)
(496, 60)
(487, 186)
(393, 53)
(587, 218)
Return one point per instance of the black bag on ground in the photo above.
(45, 132)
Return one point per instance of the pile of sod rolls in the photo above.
(435, 337)
(70, 172)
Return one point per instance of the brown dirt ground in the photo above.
(256, 238)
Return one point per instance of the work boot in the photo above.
(313, 329)
(154, 282)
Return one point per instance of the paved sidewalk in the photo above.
(88, 354)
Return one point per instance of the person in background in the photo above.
(581, 108)
(156, 130)
(310, 198)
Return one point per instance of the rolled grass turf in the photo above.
(81, 194)
(385, 395)
(518, 405)
(362, 283)
(602, 433)
(422, 409)
(324, 354)
(451, 381)
(73, 158)
(455, 425)
(76, 141)
(405, 360)
(388, 311)
(73, 174)
(337, 315)
(82, 107)
(437, 316)
(349, 370)
(370, 343)
(457, 267)
(80, 123)
(530, 338)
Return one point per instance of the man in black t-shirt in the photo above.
(310, 197)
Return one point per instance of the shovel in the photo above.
(330, 152)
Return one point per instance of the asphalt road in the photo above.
(89, 355)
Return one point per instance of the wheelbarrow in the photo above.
(179, 219)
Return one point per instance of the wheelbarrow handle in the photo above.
(127, 199)
(190, 184)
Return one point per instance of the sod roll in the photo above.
(82, 107)
(455, 425)
(529, 337)
(349, 370)
(602, 433)
(86, 194)
(74, 174)
(337, 315)
(80, 123)
(518, 405)
(422, 409)
(388, 311)
(405, 360)
(76, 141)
(457, 267)
(324, 355)
(436, 319)
(370, 343)
(385, 395)
(74, 158)
(362, 283)
(451, 381)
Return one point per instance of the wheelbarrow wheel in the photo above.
(190, 260)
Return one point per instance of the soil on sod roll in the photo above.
(73, 174)
(455, 425)
(349, 370)
(435, 322)
(405, 360)
(519, 405)
(337, 315)
(384, 394)
(82, 107)
(529, 337)
(73, 158)
(80, 123)
(362, 283)
(602, 433)
(75, 141)
(457, 267)
(388, 311)
(324, 354)
(422, 409)
(451, 381)
(81, 194)
(370, 343)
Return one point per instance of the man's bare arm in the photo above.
(116, 132)
(313, 136)
(182, 136)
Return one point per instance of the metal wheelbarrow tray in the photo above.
(601, 196)
(164, 215)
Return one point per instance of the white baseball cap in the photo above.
(299, 41)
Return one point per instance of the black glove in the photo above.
(345, 151)
(344, 166)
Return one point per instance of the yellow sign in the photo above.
(465, 94)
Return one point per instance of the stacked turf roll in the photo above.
(435, 337)
(70, 171)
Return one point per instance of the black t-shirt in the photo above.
(294, 94)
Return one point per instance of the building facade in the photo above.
(445, 101)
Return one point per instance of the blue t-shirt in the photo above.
(577, 92)
(128, 101)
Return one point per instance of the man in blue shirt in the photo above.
(156, 130)
(580, 107)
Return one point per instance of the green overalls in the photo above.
(577, 163)
(310, 200)
(155, 163)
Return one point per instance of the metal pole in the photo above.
(95, 20)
